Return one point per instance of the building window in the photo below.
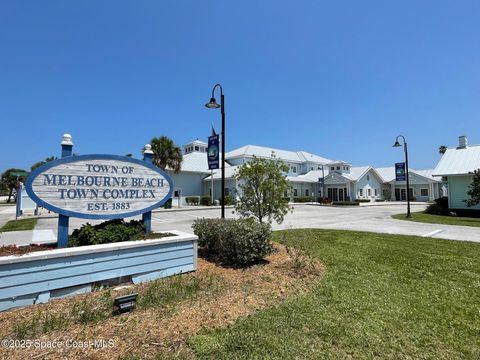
(176, 193)
(424, 192)
(319, 168)
(368, 177)
(227, 191)
(196, 148)
(338, 167)
(369, 192)
(306, 192)
(295, 192)
(294, 169)
(311, 168)
(376, 192)
(285, 194)
(332, 168)
(360, 192)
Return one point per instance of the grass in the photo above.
(19, 225)
(439, 219)
(382, 297)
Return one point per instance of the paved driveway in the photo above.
(362, 218)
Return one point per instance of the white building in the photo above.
(457, 166)
(310, 175)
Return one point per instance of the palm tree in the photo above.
(166, 154)
(42, 162)
(442, 149)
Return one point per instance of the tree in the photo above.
(474, 190)
(442, 149)
(42, 162)
(10, 178)
(263, 185)
(166, 154)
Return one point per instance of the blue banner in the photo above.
(213, 152)
(400, 174)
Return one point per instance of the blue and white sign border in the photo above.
(75, 158)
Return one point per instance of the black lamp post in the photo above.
(397, 144)
(213, 105)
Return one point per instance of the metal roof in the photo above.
(266, 152)
(195, 162)
(459, 161)
(388, 173)
(229, 172)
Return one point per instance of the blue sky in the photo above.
(337, 78)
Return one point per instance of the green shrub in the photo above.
(379, 200)
(192, 200)
(324, 200)
(346, 203)
(363, 200)
(303, 199)
(439, 207)
(206, 201)
(107, 232)
(168, 204)
(234, 242)
(229, 200)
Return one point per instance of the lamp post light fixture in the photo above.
(397, 144)
(212, 104)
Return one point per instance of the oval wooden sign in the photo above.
(99, 186)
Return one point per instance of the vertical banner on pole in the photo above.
(400, 173)
(213, 158)
(213, 152)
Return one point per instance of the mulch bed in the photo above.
(152, 331)
(22, 250)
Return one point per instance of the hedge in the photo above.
(346, 203)
(206, 201)
(192, 200)
(304, 199)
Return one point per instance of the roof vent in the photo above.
(462, 142)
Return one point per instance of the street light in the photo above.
(212, 104)
(397, 144)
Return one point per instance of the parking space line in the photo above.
(432, 233)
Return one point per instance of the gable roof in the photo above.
(388, 173)
(457, 161)
(229, 172)
(266, 152)
(312, 176)
(195, 162)
(357, 172)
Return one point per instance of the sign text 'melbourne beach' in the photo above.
(99, 186)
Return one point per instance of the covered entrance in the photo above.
(338, 194)
(401, 194)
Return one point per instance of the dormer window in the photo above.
(332, 168)
(338, 167)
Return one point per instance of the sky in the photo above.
(340, 79)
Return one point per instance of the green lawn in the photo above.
(439, 219)
(18, 225)
(382, 297)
